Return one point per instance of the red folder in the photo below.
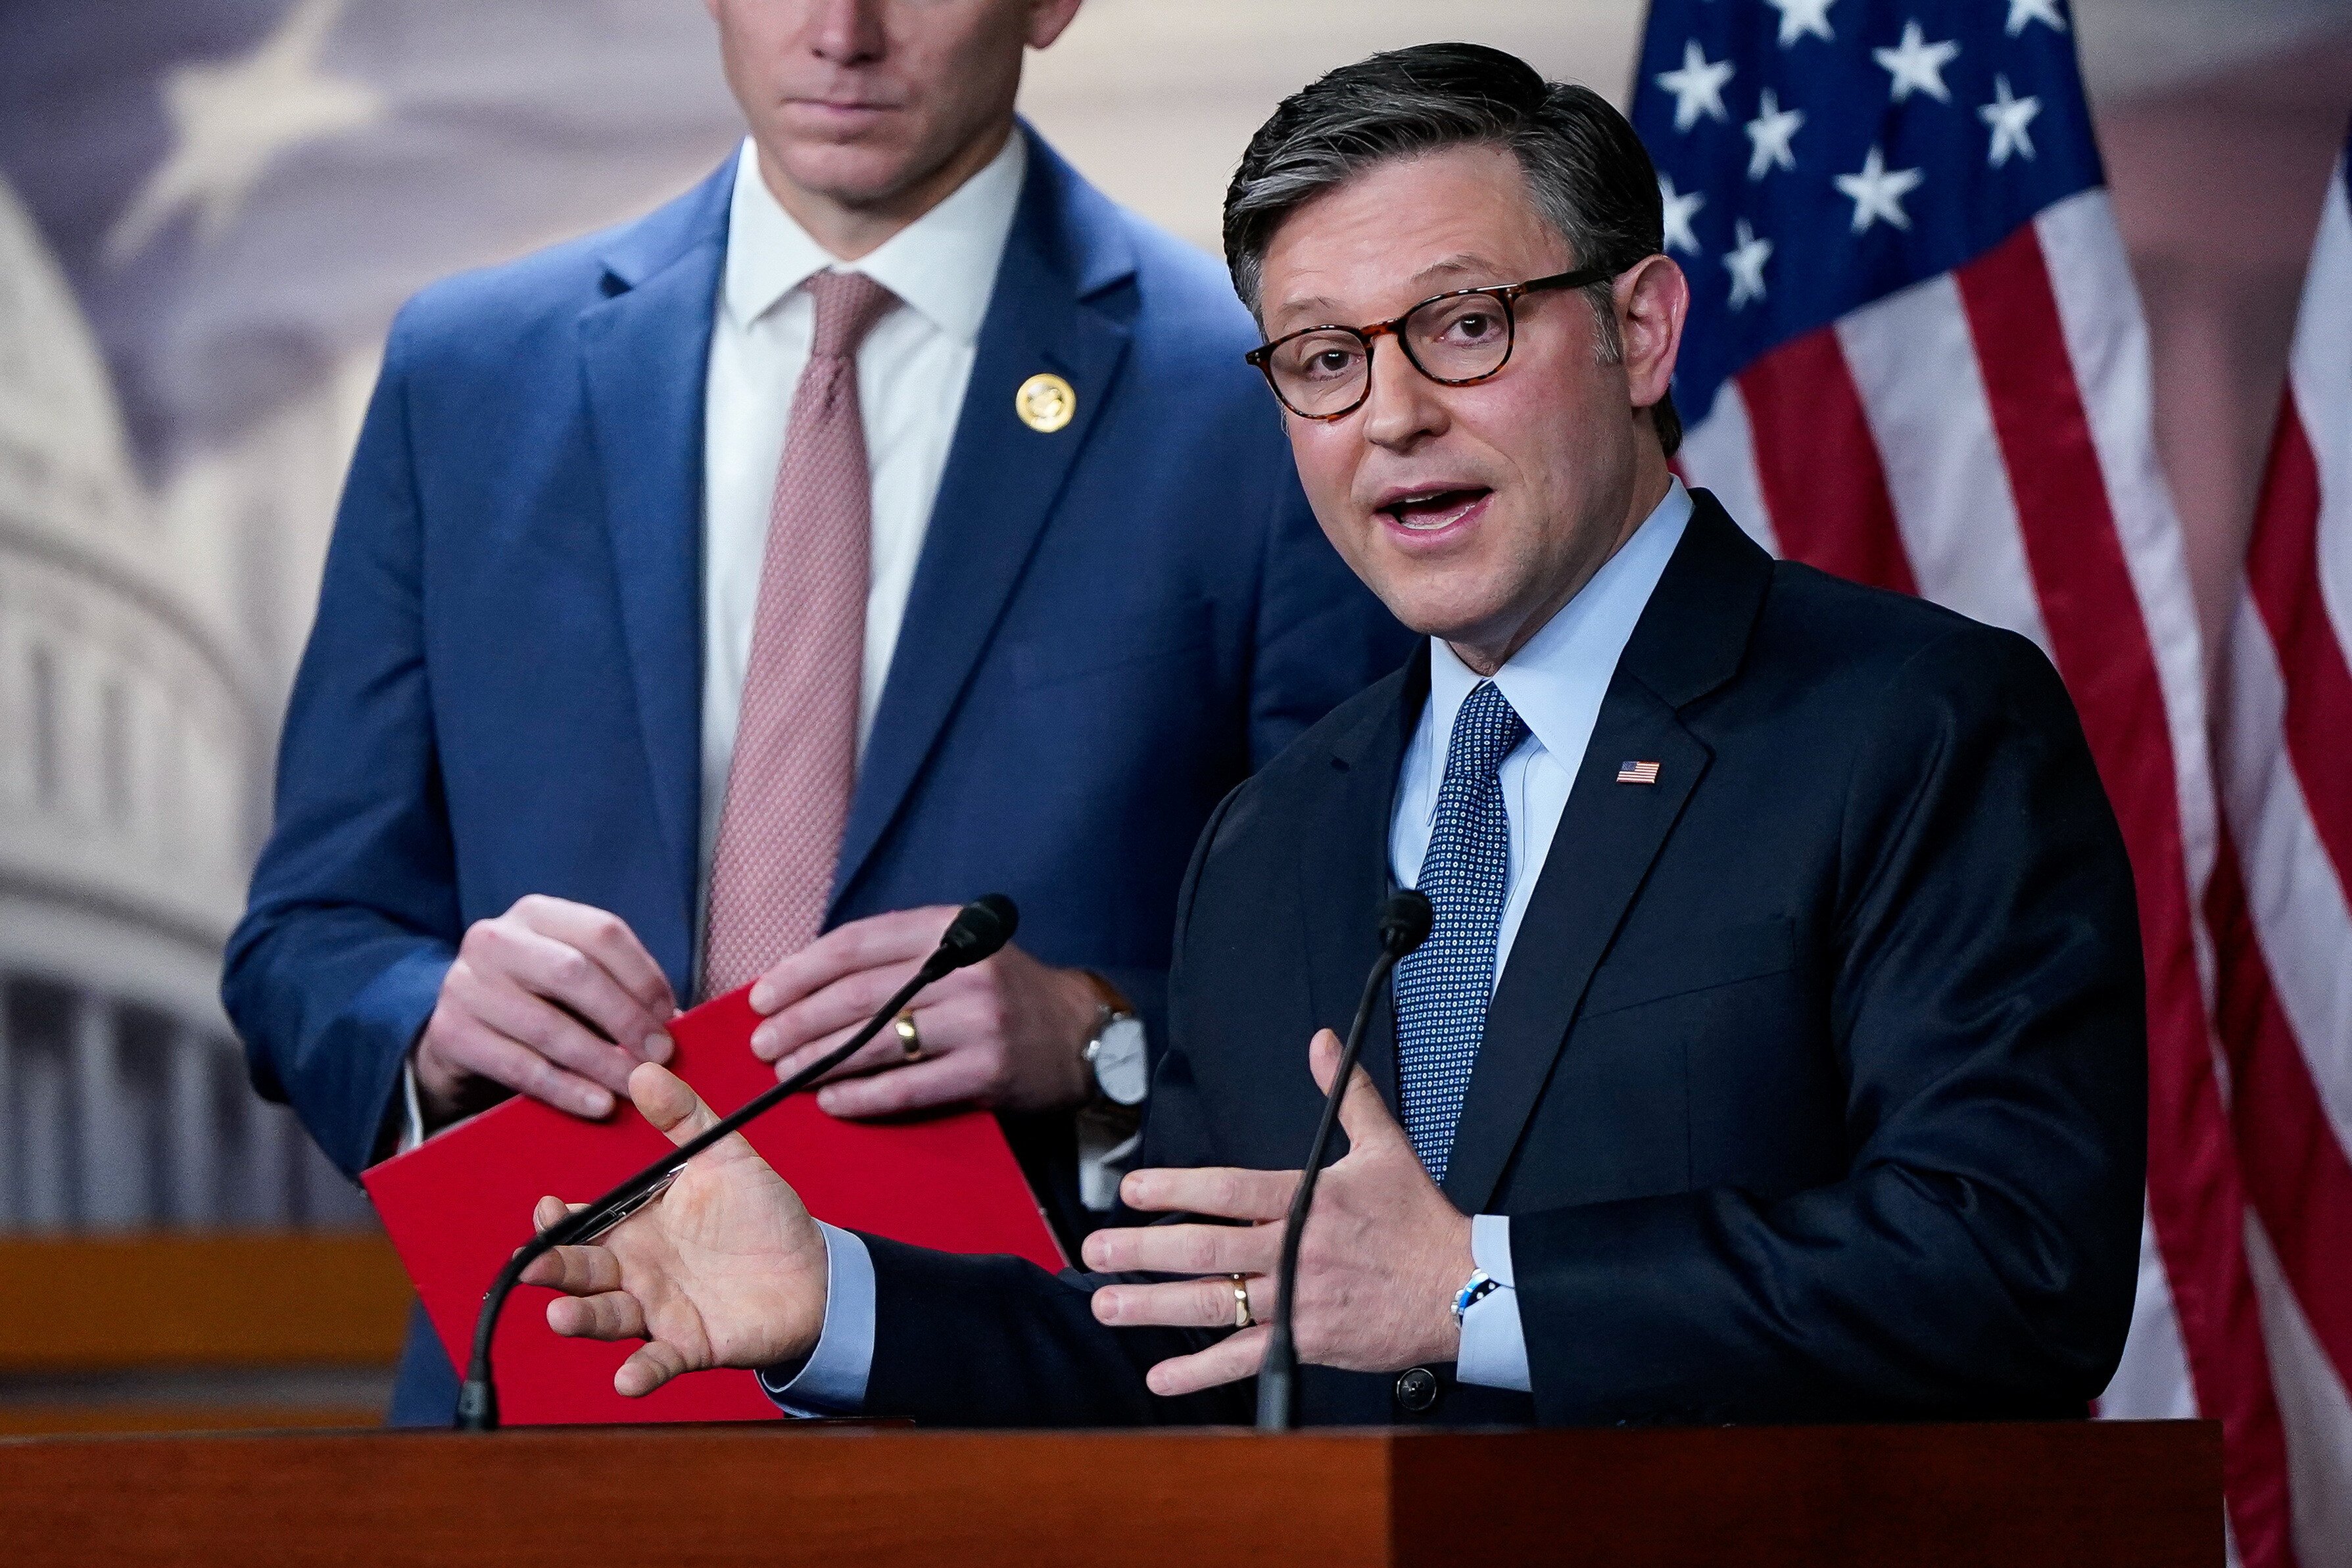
(457, 1206)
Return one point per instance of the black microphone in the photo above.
(1405, 920)
(979, 929)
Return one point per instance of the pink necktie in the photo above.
(795, 758)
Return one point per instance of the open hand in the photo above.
(726, 1269)
(1383, 1253)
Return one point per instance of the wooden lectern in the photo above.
(2080, 1494)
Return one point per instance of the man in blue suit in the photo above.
(1077, 596)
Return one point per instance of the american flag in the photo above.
(2277, 905)
(1637, 773)
(1915, 356)
(241, 191)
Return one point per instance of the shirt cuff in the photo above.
(1107, 1150)
(1494, 1344)
(832, 1381)
(411, 1129)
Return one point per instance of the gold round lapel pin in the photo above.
(1046, 402)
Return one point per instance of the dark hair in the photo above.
(1588, 173)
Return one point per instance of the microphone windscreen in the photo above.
(979, 929)
(1405, 919)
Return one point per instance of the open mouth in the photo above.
(1432, 510)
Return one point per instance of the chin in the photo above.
(1431, 610)
(855, 174)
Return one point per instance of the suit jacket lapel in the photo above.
(1688, 642)
(1064, 251)
(643, 350)
(1343, 867)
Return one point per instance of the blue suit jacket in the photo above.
(1109, 627)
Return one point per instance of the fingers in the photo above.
(1210, 1190)
(606, 938)
(652, 1365)
(904, 936)
(1228, 1361)
(458, 1046)
(812, 1024)
(1185, 1303)
(575, 1270)
(1184, 1249)
(880, 1054)
(662, 1098)
(517, 949)
(614, 1314)
(953, 1079)
(543, 1029)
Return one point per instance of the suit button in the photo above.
(1416, 1389)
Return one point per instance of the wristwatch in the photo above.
(1114, 1055)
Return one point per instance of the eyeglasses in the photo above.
(1454, 339)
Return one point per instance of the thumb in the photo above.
(1363, 1116)
(662, 1098)
(667, 1101)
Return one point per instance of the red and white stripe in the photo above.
(1984, 439)
(2281, 919)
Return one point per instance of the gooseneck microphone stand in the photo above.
(979, 929)
(1405, 920)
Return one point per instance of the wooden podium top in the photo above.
(2082, 1494)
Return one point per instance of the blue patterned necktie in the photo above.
(1442, 988)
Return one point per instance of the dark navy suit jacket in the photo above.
(1815, 1084)
(1111, 625)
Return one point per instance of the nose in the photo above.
(848, 32)
(1401, 406)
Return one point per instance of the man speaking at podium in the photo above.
(1776, 1053)
(887, 519)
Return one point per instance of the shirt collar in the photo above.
(942, 266)
(1557, 681)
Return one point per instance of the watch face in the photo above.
(1122, 1069)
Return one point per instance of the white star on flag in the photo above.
(1677, 209)
(1697, 87)
(1769, 135)
(2010, 119)
(1916, 64)
(229, 121)
(1799, 17)
(2021, 12)
(1746, 263)
(1878, 192)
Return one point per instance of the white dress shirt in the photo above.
(1556, 683)
(912, 371)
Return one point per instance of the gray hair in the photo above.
(1590, 176)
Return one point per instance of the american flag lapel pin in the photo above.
(1637, 773)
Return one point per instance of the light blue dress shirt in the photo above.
(1556, 683)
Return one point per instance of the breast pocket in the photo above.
(1701, 961)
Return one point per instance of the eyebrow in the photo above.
(1454, 266)
(1324, 308)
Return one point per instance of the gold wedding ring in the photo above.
(910, 1039)
(1242, 1318)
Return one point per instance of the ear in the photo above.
(1653, 298)
(1047, 18)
